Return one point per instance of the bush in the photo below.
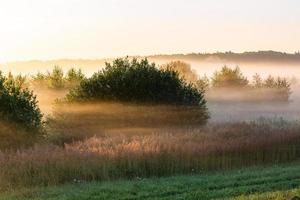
(18, 104)
(229, 78)
(137, 82)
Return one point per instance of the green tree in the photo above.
(139, 82)
(74, 77)
(18, 104)
(57, 78)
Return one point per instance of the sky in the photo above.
(53, 29)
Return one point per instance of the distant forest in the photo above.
(91, 65)
(258, 56)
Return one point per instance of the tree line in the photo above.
(273, 88)
(133, 81)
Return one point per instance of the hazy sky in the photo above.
(47, 29)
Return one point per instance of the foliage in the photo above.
(269, 89)
(183, 69)
(56, 79)
(189, 75)
(229, 78)
(203, 83)
(19, 80)
(139, 82)
(280, 88)
(18, 104)
(74, 77)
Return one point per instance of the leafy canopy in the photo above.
(228, 77)
(56, 79)
(139, 82)
(18, 104)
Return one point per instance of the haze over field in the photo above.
(149, 99)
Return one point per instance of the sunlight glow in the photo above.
(48, 29)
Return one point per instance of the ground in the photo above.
(278, 182)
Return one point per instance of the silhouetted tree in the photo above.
(139, 82)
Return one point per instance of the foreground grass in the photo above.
(277, 195)
(237, 184)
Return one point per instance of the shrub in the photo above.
(137, 82)
(18, 104)
(229, 78)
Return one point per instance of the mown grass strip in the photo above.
(226, 185)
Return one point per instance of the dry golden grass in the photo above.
(173, 151)
(13, 136)
(113, 141)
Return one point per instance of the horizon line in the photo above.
(151, 55)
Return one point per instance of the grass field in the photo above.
(278, 182)
(123, 151)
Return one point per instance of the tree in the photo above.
(257, 81)
(139, 82)
(183, 69)
(57, 78)
(74, 77)
(278, 89)
(18, 104)
(229, 78)
(203, 83)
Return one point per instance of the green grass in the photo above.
(277, 195)
(226, 185)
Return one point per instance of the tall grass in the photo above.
(15, 136)
(219, 147)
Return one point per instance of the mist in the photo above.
(236, 106)
(232, 106)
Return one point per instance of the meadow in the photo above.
(109, 146)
